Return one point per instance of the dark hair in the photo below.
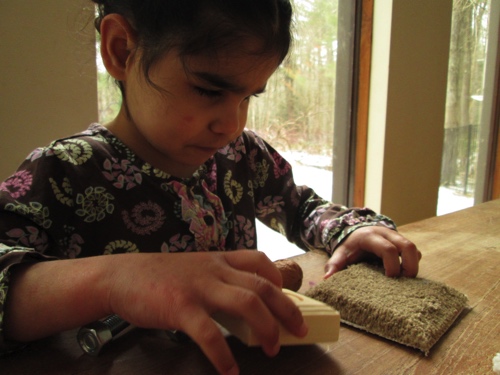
(196, 27)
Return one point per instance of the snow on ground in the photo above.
(451, 200)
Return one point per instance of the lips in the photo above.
(212, 146)
(208, 150)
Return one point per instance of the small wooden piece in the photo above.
(291, 273)
(323, 322)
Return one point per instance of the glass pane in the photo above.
(468, 50)
(296, 113)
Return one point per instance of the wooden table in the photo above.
(461, 249)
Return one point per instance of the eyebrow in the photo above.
(222, 83)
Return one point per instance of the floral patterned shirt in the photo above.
(89, 194)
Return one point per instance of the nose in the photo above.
(230, 118)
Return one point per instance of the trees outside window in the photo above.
(296, 114)
(468, 51)
(297, 111)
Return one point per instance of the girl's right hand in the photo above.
(154, 290)
(181, 291)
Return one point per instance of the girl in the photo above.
(174, 173)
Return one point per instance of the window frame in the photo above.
(352, 101)
(488, 178)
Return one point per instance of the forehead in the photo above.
(232, 66)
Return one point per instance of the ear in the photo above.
(118, 42)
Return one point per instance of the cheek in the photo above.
(143, 104)
(186, 124)
(244, 115)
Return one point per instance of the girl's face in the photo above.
(201, 107)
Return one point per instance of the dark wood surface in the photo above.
(461, 249)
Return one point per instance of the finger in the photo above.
(282, 308)
(203, 330)
(337, 262)
(410, 258)
(407, 250)
(254, 262)
(382, 243)
(247, 305)
(341, 258)
(262, 305)
(386, 250)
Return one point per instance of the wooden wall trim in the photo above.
(363, 99)
(496, 172)
(495, 191)
(495, 184)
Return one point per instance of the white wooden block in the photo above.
(323, 322)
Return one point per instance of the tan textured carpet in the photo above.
(414, 312)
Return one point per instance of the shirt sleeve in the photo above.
(324, 225)
(305, 218)
(23, 237)
(9, 257)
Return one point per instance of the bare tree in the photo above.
(297, 110)
(465, 82)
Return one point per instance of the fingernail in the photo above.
(233, 371)
(276, 348)
(304, 329)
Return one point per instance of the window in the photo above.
(296, 115)
(467, 159)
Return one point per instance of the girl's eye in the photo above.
(208, 93)
(251, 96)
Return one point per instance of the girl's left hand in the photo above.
(399, 255)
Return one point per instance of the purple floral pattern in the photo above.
(17, 185)
(123, 174)
(178, 243)
(234, 151)
(145, 218)
(281, 166)
(245, 233)
(30, 237)
(71, 243)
